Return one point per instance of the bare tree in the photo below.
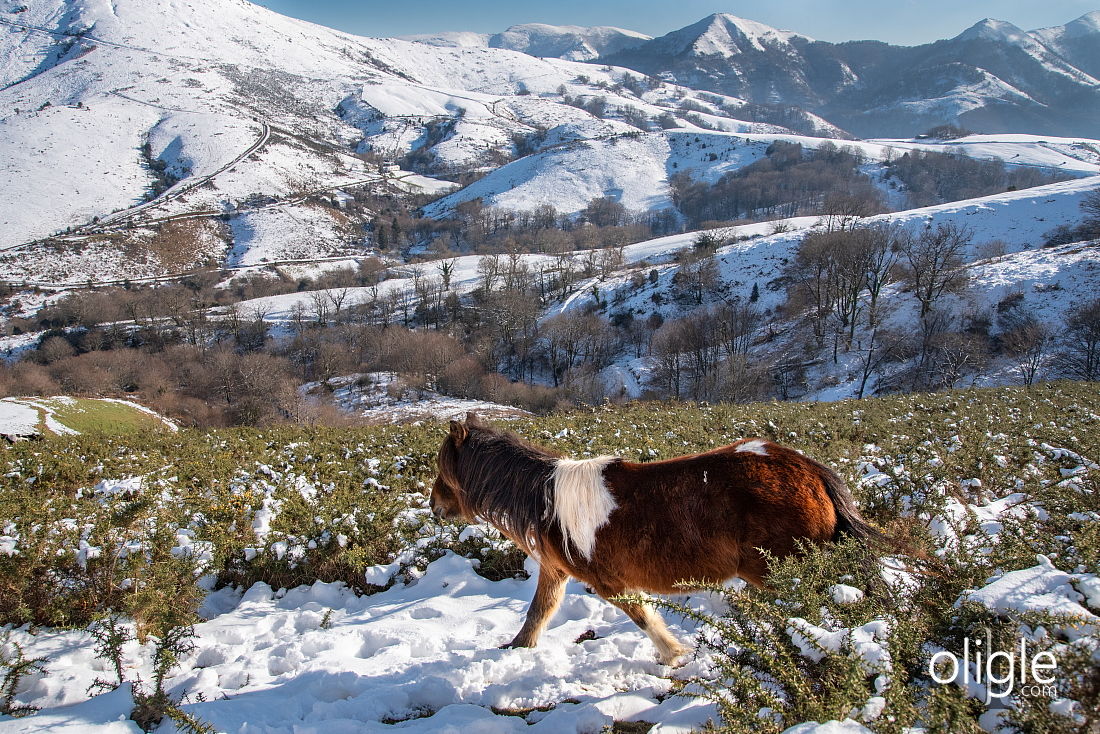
(667, 347)
(873, 352)
(446, 272)
(1029, 344)
(1080, 353)
(955, 355)
(489, 268)
(1091, 205)
(322, 307)
(881, 255)
(934, 260)
(337, 297)
(737, 324)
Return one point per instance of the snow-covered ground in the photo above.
(422, 655)
(286, 233)
(425, 654)
(634, 168)
(381, 397)
(18, 418)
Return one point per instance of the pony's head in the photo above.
(448, 500)
(495, 476)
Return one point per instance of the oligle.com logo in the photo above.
(1001, 672)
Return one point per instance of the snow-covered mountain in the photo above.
(1078, 41)
(117, 118)
(569, 42)
(143, 140)
(993, 77)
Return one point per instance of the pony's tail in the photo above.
(848, 520)
(850, 523)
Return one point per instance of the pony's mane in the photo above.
(504, 479)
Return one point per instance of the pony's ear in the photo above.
(459, 432)
(472, 419)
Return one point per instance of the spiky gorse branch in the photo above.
(16, 666)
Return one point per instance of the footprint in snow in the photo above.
(425, 613)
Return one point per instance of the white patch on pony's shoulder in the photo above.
(756, 446)
(582, 501)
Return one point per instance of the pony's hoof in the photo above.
(515, 644)
(675, 658)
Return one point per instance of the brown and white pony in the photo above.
(624, 527)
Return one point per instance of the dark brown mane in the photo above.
(505, 480)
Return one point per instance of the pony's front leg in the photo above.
(548, 594)
(669, 649)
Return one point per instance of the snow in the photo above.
(285, 233)
(1042, 587)
(844, 594)
(726, 31)
(380, 397)
(634, 168)
(108, 713)
(829, 727)
(724, 35)
(1079, 155)
(424, 654)
(17, 418)
(574, 43)
(865, 643)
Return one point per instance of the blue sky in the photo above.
(897, 21)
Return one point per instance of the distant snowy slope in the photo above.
(569, 42)
(573, 43)
(725, 35)
(634, 168)
(992, 77)
(1077, 41)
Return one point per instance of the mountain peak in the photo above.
(1088, 24)
(723, 34)
(991, 29)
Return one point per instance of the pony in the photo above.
(623, 527)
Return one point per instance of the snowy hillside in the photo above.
(165, 105)
(634, 168)
(1006, 257)
(572, 43)
(214, 148)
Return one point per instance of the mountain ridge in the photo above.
(993, 77)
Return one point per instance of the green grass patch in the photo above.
(90, 415)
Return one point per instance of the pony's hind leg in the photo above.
(669, 649)
(548, 594)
